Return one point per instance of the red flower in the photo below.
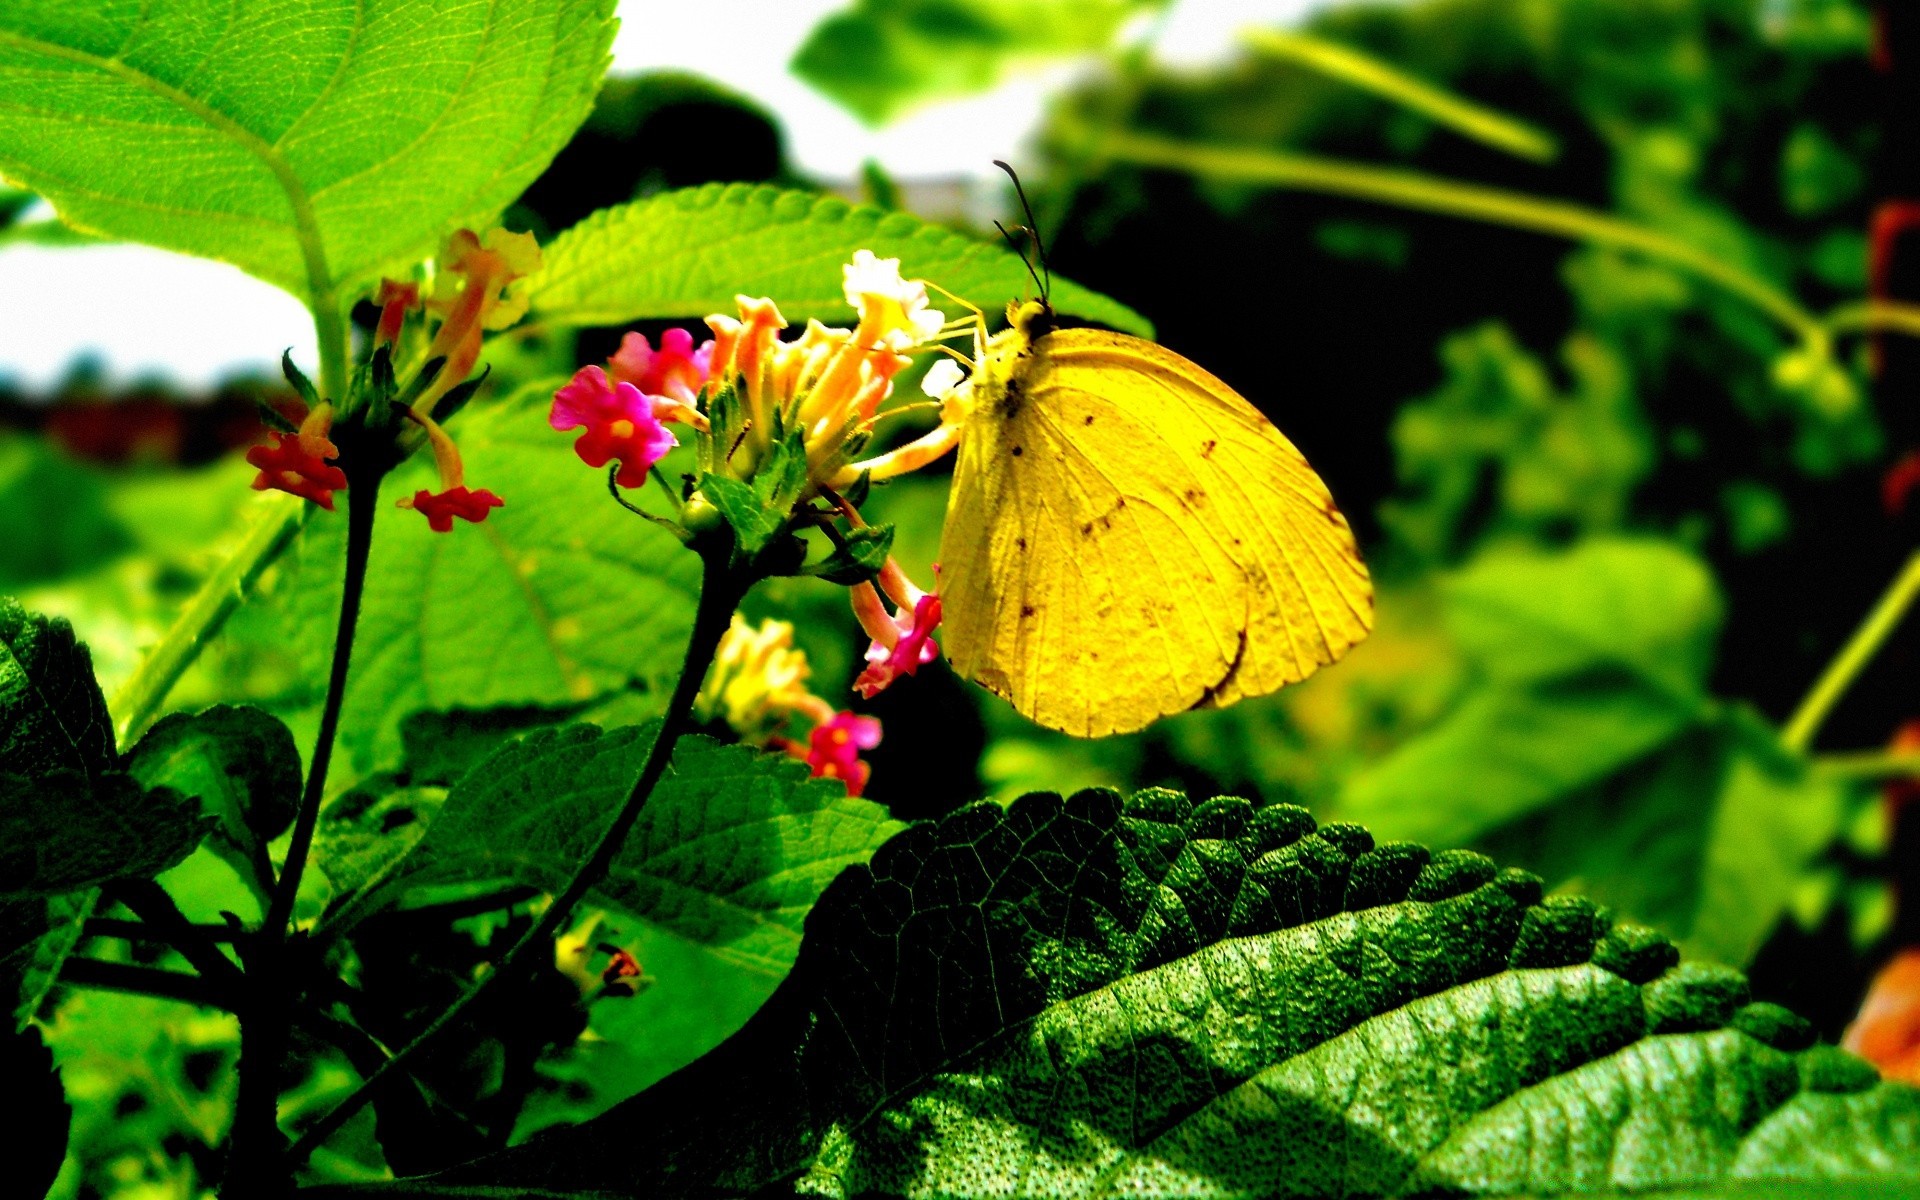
(1887, 1030)
(1898, 483)
(619, 422)
(440, 508)
(671, 377)
(395, 300)
(296, 463)
(833, 750)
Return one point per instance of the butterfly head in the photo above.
(1034, 319)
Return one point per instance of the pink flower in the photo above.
(670, 377)
(913, 647)
(440, 508)
(619, 422)
(834, 748)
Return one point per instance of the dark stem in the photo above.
(720, 593)
(143, 981)
(165, 922)
(257, 1167)
(140, 931)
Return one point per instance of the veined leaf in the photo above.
(69, 817)
(730, 851)
(1094, 998)
(311, 142)
(557, 598)
(688, 253)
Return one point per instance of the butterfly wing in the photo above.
(1129, 538)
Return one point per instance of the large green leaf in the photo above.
(36, 935)
(880, 58)
(557, 598)
(1590, 750)
(730, 851)
(1093, 998)
(311, 142)
(243, 768)
(69, 817)
(688, 253)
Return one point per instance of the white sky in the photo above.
(128, 306)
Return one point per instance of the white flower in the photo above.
(896, 306)
(941, 378)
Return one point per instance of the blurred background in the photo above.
(1530, 282)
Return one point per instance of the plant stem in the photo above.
(720, 593)
(138, 700)
(256, 1166)
(1870, 766)
(1349, 66)
(142, 981)
(1497, 206)
(151, 903)
(1853, 657)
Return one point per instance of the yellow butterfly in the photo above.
(1128, 538)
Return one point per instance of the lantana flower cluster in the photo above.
(752, 399)
(758, 687)
(468, 299)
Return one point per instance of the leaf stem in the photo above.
(1869, 766)
(142, 981)
(1853, 657)
(138, 700)
(157, 911)
(1497, 206)
(721, 591)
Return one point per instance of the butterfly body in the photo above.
(1129, 538)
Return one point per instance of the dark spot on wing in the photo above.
(1020, 542)
(1206, 447)
(1026, 610)
(1089, 418)
(1087, 528)
(1017, 452)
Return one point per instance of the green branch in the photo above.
(1853, 657)
(1369, 74)
(138, 700)
(1496, 206)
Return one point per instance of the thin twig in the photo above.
(151, 903)
(1853, 657)
(142, 981)
(720, 594)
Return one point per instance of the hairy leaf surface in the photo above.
(311, 142)
(730, 851)
(688, 253)
(1092, 998)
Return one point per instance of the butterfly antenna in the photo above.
(1020, 248)
(1033, 228)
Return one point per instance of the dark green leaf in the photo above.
(242, 766)
(311, 142)
(688, 253)
(36, 936)
(730, 851)
(860, 558)
(69, 818)
(1091, 998)
(753, 524)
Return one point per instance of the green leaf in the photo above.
(753, 523)
(557, 598)
(243, 768)
(55, 518)
(881, 58)
(688, 253)
(1095, 998)
(69, 818)
(311, 142)
(860, 558)
(1591, 752)
(730, 851)
(36, 936)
